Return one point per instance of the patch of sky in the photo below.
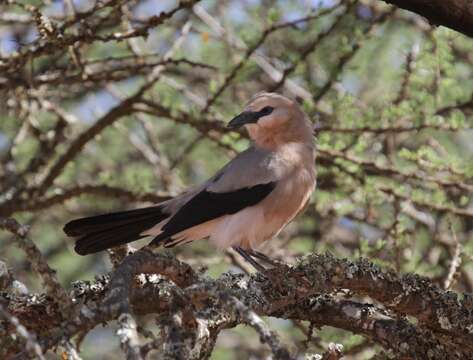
(208, 4)
(237, 12)
(32, 35)
(366, 231)
(7, 43)
(293, 11)
(319, 4)
(364, 12)
(292, 14)
(60, 7)
(95, 105)
(192, 44)
(351, 84)
(154, 7)
(347, 223)
(4, 141)
(155, 43)
(56, 8)
(82, 5)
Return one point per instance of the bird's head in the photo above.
(272, 119)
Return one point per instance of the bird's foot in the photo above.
(263, 257)
(251, 256)
(245, 254)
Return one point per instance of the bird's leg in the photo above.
(262, 257)
(245, 255)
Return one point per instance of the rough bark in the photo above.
(198, 308)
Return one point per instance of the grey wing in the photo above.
(243, 182)
(251, 167)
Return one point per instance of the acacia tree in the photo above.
(116, 104)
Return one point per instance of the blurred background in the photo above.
(390, 97)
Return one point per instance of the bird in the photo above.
(247, 202)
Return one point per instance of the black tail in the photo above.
(97, 233)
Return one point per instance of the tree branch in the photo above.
(454, 14)
(306, 291)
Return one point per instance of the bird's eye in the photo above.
(266, 110)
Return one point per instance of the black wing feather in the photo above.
(206, 206)
(97, 233)
(95, 223)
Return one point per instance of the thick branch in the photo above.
(454, 14)
(398, 335)
(292, 293)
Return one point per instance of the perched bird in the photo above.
(250, 200)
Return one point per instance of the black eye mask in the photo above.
(249, 117)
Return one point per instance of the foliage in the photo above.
(117, 104)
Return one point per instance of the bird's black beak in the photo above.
(246, 117)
